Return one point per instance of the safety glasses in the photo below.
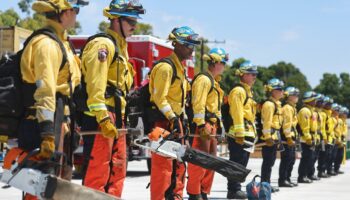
(131, 22)
(190, 46)
(76, 10)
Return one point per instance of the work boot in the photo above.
(236, 195)
(204, 196)
(314, 178)
(322, 175)
(274, 189)
(293, 183)
(331, 173)
(194, 197)
(304, 180)
(284, 183)
(339, 172)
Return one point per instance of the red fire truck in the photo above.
(143, 50)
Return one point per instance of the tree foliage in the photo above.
(24, 5)
(9, 18)
(141, 28)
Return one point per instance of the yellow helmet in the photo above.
(44, 6)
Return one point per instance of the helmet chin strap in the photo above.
(121, 27)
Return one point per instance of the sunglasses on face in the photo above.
(131, 22)
(190, 46)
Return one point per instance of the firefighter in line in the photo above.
(322, 113)
(206, 105)
(328, 102)
(242, 111)
(319, 141)
(40, 67)
(105, 76)
(307, 123)
(168, 96)
(290, 121)
(339, 140)
(333, 134)
(272, 120)
(343, 113)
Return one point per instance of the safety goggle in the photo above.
(188, 45)
(131, 22)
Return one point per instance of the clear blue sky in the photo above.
(312, 34)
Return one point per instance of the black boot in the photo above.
(236, 195)
(304, 180)
(204, 196)
(284, 183)
(331, 173)
(322, 175)
(314, 178)
(339, 172)
(194, 197)
(294, 184)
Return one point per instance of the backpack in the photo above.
(15, 95)
(258, 190)
(225, 109)
(188, 106)
(80, 94)
(139, 104)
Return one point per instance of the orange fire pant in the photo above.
(106, 169)
(161, 171)
(200, 180)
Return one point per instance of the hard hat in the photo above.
(185, 36)
(124, 8)
(216, 55)
(327, 100)
(335, 107)
(309, 96)
(274, 84)
(319, 97)
(44, 6)
(344, 110)
(292, 91)
(246, 68)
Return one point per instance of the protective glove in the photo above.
(309, 142)
(47, 146)
(325, 140)
(108, 129)
(290, 142)
(269, 142)
(175, 126)
(239, 140)
(204, 132)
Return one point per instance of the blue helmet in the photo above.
(292, 91)
(78, 3)
(216, 55)
(335, 107)
(327, 100)
(247, 67)
(124, 8)
(274, 84)
(185, 36)
(309, 96)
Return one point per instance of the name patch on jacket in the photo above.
(102, 55)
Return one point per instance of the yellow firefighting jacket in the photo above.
(240, 112)
(330, 124)
(99, 71)
(40, 64)
(204, 100)
(320, 124)
(272, 121)
(345, 130)
(338, 130)
(307, 119)
(323, 114)
(169, 98)
(290, 120)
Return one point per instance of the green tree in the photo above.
(103, 26)
(143, 29)
(290, 75)
(33, 23)
(330, 86)
(345, 89)
(9, 18)
(24, 5)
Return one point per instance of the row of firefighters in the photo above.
(107, 76)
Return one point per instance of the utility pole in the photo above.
(202, 49)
